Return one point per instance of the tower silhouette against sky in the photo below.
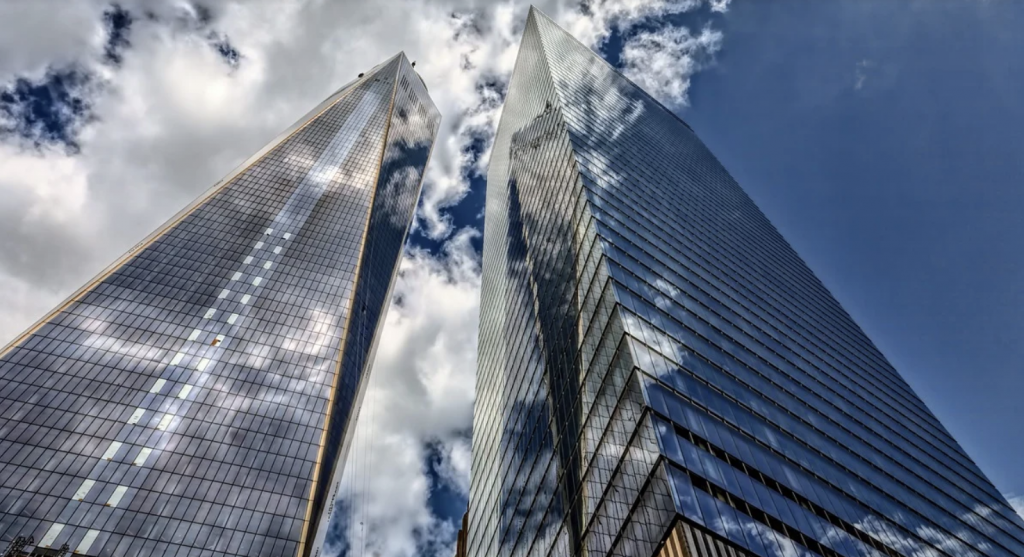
(659, 372)
(197, 396)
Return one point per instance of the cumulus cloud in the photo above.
(196, 90)
(595, 21)
(663, 61)
(421, 390)
(166, 97)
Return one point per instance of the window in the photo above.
(115, 497)
(83, 490)
(143, 455)
(111, 450)
(136, 416)
(51, 535)
(86, 543)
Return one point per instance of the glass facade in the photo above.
(195, 399)
(659, 372)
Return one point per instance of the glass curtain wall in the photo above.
(659, 369)
(196, 397)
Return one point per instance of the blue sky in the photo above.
(882, 138)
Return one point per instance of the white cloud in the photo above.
(421, 392)
(720, 6)
(663, 61)
(1017, 503)
(174, 116)
(25, 51)
(861, 73)
(596, 22)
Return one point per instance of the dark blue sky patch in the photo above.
(611, 49)
(49, 111)
(444, 501)
(226, 50)
(337, 529)
(499, 85)
(468, 211)
(476, 148)
(118, 22)
(198, 18)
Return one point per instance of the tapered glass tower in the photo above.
(660, 373)
(196, 397)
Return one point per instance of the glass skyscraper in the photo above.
(196, 398)
(660, 373)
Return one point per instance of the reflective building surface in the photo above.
(195, 398)
(660, 373)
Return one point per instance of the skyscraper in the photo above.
(660, 373)
(196, 397)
